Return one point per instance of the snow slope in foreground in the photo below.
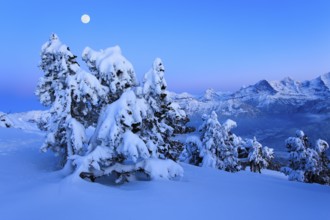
(30, 189)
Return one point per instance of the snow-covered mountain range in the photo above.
(264, 97)
(269, 110)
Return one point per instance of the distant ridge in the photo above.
(270, 97)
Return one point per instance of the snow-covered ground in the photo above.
(30, 188)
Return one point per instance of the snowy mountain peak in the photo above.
(286, 86)
(318, 86)
(289, 82)
(287, 79)
(326, 79)
(210, 94)
(264, 86)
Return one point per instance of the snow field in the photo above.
(30, 188)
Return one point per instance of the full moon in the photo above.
(85, 19)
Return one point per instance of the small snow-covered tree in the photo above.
(191, 151)
(118, 147)
(231, 145)
(154, 91)
(71, 93)
(321, 147)
(218, 148)
(306, 163)
(165, 117)
(259, 157)
(112, 69)
(57, 62)
(297, 147)
(268, 155)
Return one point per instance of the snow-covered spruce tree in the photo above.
(72, 95)
(165, 117)
(191, 151)
(321, 147)
(305, 163)
(118, 146)
(259, 157)
(218, 149)
(112, 69)
(297, 148)
(53, 65)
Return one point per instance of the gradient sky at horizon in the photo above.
(220, 44)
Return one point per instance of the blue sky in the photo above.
(222, 44)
